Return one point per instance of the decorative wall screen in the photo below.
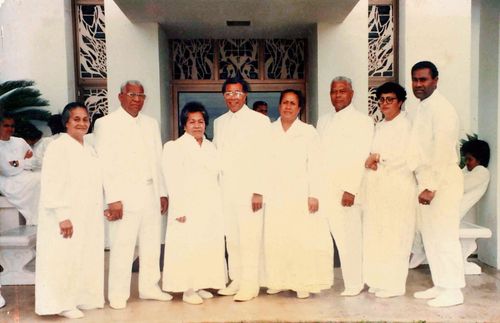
(254, 59)
(382, 49)
(90, 42)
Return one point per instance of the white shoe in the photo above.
(416, 260)
(428, 293)
(351, 292)
(382, 293)
(271, 291)
(245, 295)
(88, 307)
(72, 314)
(230, 290)
(118, 305)
(449, 297)
(302, 294)
(192, 297)
(157, 296)
(2, 301)
(205, 294)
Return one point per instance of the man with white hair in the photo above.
(346, 136)
(129, 147)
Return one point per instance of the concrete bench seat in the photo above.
(9, 216)
(469, 232)
(17, 249)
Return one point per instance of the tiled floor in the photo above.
(482, 304)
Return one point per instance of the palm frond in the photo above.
(10, 85)
(33, 114)
(20, 98)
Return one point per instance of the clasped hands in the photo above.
(115, 210)
(15, 163)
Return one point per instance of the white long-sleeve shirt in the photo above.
(346, 138)
(433, 140)
(475, 185)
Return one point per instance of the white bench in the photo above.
(17, 249)
(9, 216)
(469, 232)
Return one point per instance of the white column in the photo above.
(36, 42)
(133, 53)
(343, 50)
(488, 124)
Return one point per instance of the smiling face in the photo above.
(7, 127)
(234, 97)
(78, 123)
(132, 99)
(195, 125)
(422, 83)
(389, 105)
(289, 107)
(341, 94)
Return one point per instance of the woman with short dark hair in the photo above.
(389, 201)
(194, 243)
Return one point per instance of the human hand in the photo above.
(66, 228)
(313, 204)
(163, 204)
(181, 219)
(372, 161)
(426, 196)
(115, 210)
(347, 199)
(256, 202)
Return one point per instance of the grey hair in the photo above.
(342, 79)
(130, 82)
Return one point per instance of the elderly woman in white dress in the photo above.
(298, 248)
(390, 199)
(70, 244)
(194, 243)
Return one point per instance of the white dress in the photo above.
(389, 208)
(20, 185)
(194, 250)
(298, 247)
(70, 272)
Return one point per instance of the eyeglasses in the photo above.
(233, 94)
(132, 95)
(387, 100)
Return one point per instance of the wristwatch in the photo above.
(15, 163)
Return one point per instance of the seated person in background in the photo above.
(261, 107)
(19, 185)
(56, 127)
(476, 180)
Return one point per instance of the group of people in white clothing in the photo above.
(370, 187)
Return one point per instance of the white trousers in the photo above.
(141, 223)
(23, 191)
(347, 230)
(439, 224)
(244, 244)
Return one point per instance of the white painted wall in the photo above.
(36, 42)
(134, 52)
(439, 31)
(343, 50)
(488, 123)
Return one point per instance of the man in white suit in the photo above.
(240, 136)
(129, 147)
(346, 136)
(440, 185)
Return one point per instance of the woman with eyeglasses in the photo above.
(194, 243)
(298, 248)
(389, 201)
(70, 241)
